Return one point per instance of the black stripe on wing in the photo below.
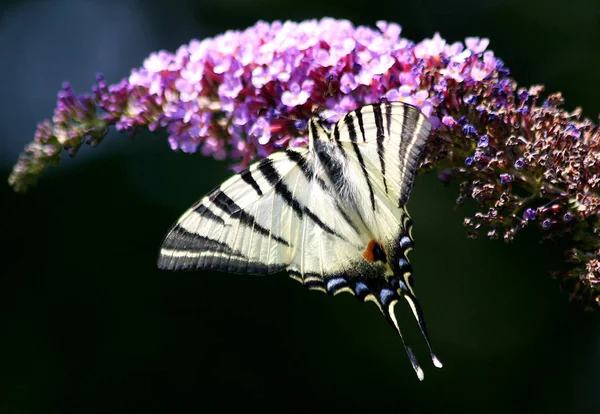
(413, 138)
(332, 157)
(333, 166)
(349, 121)
(207, 213)
(182, 240)
(388, 117)
(378, 120)
(301, 162)
(227, 205)
(281, 189)
(186, 250)
(338, 142)
(380, 139)
(246, 176)
(361, 124)
(361, 161)
(309, 174)
(183, 249)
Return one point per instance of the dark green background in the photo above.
(89, 325)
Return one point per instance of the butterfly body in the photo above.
(332, 214)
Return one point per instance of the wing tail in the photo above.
(385, 297)
(418, 313)
(390, 316)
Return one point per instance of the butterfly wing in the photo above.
(260, 221)
(385, 141)
(381, 145)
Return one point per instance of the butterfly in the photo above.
(333, 214)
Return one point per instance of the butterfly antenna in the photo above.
(390, 316)
(416, 309)
(277, 115)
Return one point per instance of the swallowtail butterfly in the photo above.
(332, 214)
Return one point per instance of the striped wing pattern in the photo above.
(260, 221)
(332, 214)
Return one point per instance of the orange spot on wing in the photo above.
(370, 252)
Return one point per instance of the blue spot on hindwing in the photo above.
(405, 242)
(385, 294)
(361, 288)
(403, 263)
(336, 283)
(403, 286)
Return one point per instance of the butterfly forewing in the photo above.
(239, 227)
(258, 221)
(390, 137)
(332, 214)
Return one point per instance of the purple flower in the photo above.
(523, 95)
(402, 94)
(454, 71)
(430, 48)
(296, 95)
(469, 130)
(262, 130)
(260, 76)
(449, 121)
(520, 163)
(420, 99)
(573, 131)
(529, 214)
(476, 45)
(348, 83)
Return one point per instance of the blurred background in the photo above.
(89, 325)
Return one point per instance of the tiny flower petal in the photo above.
(529, 214)
(477, 45)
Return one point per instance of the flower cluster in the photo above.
(526, 161)
(522, 158)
